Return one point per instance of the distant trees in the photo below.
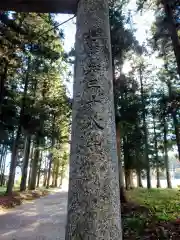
(146, 99)
(35, 110)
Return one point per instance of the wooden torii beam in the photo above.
(54, 6)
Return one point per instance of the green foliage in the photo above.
(163, 203)
(33, 98)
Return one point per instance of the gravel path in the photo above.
(42, 219)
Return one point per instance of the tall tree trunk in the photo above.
(168, 177)
(61, 181)
(39, 170)
(129, 179)
(175, 121)
(2, 155)
(156, 154)
(145, 130)
(13, 163)
(158, 185)
(49, 172)
(53, 178)
(139, 178)
(3, 166)
(34, 167)
(51, 157)
(118, 140)
(123, 198)
(25, 163)
(30, 173)
(173, 31)
(93, 198)
(30, 165)
(177, 132)
(57, 174)
(45, 173)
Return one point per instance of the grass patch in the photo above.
(164, 204)
(2, 190)
(151, 214)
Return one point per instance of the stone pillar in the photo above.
(93, 200)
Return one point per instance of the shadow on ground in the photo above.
(41, 219)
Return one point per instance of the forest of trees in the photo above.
(35, 111)
(34, 107)
(147, 98)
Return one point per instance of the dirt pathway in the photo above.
(42, 219)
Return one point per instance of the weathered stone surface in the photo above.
(93, 202)
(56, 6)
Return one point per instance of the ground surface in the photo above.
(149, 215)
(41, 219)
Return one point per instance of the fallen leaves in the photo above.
(18, 197)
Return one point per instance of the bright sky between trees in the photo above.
(141, 22)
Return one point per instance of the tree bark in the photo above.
(34, 167)
(177, 132)
(39, 171)
(139, 179)
(2, 155)
(173, 32)
(145, 130)
(25, 163)
(12, 170)
(123, 198)
(93, 199)
(175, 121)
(118, 140)
(51, 157)
(158, 185)
(3, 166)
(129, 179)
(56, 174)
(49, 172)
(30, 166)
(168, 177)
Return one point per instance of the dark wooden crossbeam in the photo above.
(43, 6)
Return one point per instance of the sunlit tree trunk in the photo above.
(34, 166)
(12, 169)
(30, 165)
(129, 179)
(57, 174)
(93, 199)
(3, 166)
(51, 155)
(39, 171)
(25, 163)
